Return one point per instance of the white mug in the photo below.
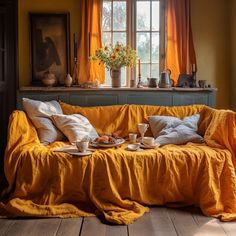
(132, 137)
(149, 141)
(82, 145)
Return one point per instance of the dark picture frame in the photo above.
(50, 46)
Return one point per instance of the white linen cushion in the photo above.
(39, 113)
(75, 127)
(172, 130)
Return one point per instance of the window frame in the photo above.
(131, 14)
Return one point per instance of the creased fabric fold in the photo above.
(117, 183)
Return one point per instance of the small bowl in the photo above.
(49, 79)
(133, 147)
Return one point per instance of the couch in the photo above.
(116, 183)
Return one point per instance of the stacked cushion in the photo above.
(75, 127)
(40, 114)
(52, 125)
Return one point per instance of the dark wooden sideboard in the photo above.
(116, 96)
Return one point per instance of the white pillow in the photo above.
(172, 130)
(40, 113)
(75, 127)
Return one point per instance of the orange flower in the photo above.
(113, 57)
(117, 49)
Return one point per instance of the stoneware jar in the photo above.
(115, 77)
(49, 79)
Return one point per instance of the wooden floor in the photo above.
(160, 221)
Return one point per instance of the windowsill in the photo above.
(75, 88)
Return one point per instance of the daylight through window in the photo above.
(136, 23)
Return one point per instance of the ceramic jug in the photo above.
(152, 82)
(165, 80)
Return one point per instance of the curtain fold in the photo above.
(90, 39)
(180, 53)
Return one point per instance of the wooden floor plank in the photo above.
(183, 221)
(70, 227)
(116, 230)
(34, 227)
(156, 222)
(143, 226)
(207, 225)
(229, 228)
(5, 224)
(160, 221)
(93, 226)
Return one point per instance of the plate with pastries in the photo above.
(108, 140)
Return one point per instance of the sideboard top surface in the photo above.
(119, 96)
(144, 89)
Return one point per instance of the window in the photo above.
(136, 23)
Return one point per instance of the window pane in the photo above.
(155, 47)
(119, 16)
(106, 38)
(107, 78)
(145, 71)
(155, 15)
(106, 16)
(143, 15)
(155, 70)
(123, 76)
(119, 37)
(143, 46)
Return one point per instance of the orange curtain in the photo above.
(180, 53)
(90, 40)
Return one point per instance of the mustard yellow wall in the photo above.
(211, 31)
(210, 22)
(51, 6)
(233, 54)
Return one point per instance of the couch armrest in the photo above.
(220, 129)
(20, 130)
(21, 133)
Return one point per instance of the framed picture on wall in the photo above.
(50, 46)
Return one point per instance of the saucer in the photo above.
(77, 153)
(148, 146)
(133, 147)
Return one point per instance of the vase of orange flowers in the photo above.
(114, 58)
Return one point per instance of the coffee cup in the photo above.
(82, 145)
(148, 141)
(132, 137)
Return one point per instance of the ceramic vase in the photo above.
(68, 81)
(115, 74)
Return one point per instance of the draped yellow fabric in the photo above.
(124, 118)
(90, 40)
(117, 183)
(180, 53)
